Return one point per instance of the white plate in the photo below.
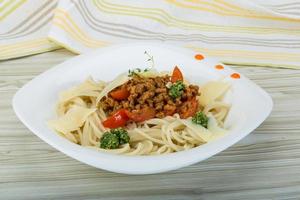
(34, 103)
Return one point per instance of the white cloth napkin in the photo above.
(257, 32)
(24, 26)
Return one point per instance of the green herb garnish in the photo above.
(176, 89)
(150, 59)
(201, 119)
(109, 141)
(134, 72)
(114, 138)
(122, 135)
(137, 71)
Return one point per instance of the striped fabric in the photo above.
(256, 32)
(24, 26)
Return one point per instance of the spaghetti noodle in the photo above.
(80, 117)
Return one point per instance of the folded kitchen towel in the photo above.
(257, 32)
(24, 26)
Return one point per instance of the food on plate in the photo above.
(142, 112)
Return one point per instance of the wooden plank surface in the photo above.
(264, 165)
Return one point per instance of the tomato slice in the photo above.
(118, 119)
(120, 94)
(141, 115)
(176, 75)
(188, 108)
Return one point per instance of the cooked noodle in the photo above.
(79, 117)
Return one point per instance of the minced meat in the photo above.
(151, 92)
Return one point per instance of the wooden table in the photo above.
(264, 165)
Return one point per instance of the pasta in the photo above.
(80, 115)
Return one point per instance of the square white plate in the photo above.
(34, 103)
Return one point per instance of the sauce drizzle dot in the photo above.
(199, 57)
(219, 67)
(235, 75)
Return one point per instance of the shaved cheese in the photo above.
(202, 132)
(212, 91)
(213, 127)
(87, 88)
(121, 79)
(72, 120)
(63, 107)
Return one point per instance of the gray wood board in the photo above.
(264, 165)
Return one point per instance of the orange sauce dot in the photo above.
(219, 67)
(199, 57)
(235, 75)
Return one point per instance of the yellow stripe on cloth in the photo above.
(212, 5)
(239, 12)
(11, 10)
(63, 20)
(163, 17)
(230, 5)
(27, 44)
(255, 64)
(213, 8)
(26, 52)
(6, 4)
(23, 30)
(27, 48)
(249, 54)
(24, 43)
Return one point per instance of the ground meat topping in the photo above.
(152, 93)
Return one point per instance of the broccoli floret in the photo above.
(201, 119)
(114, 138)
(122, 134)
(176, 89)
(109, 141)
